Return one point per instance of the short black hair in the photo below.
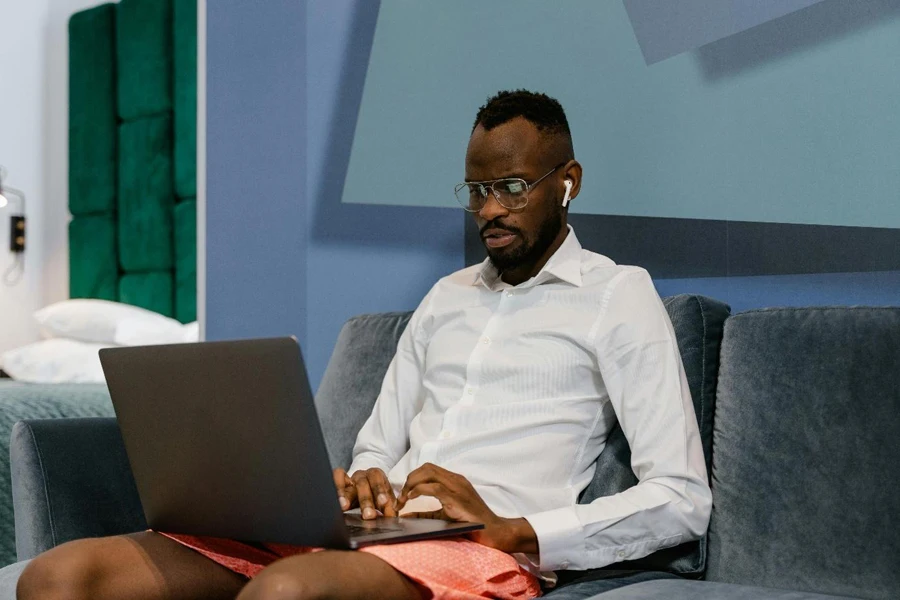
(544, 112)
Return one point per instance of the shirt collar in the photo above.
(565, 265)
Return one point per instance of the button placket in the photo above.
(477, 357)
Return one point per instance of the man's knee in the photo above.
(303, 577)
(61, 573)
(276, 584)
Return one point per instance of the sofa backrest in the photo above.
(806, 450)
(367, 343)
(352, 379)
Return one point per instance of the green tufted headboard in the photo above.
(132, 154)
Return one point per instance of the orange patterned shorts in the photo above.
(451, 569)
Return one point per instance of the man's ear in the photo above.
(572, 174)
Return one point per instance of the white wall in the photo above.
(34, 149)
(22, 65)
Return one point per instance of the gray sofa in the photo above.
(799, 410)
(20, 401)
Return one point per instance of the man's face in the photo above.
(516, 239)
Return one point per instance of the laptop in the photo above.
(224, 441)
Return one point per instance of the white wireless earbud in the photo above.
(566, 198)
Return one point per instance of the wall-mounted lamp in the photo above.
(16, 229)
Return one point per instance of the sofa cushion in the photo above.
(807, 443)
(352, 379)
(56, 464)
(675, 589)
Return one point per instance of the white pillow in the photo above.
(139, 332)
(55, 361)
(101, 321)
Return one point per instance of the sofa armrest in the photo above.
(70, 479)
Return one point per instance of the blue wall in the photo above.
(284, 256)
(256, 255)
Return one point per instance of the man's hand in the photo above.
(370, 490)
(460, 502)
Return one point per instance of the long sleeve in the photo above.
(641, 368)
(384, 438)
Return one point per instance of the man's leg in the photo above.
(140, 566)
(334, 575)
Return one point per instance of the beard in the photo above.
(525, 253)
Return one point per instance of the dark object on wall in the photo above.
(17, 234)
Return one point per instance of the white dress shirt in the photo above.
(517, 388)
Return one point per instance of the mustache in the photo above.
(498, 225)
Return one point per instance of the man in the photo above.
(505, 385)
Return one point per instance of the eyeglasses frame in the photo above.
(489, 184)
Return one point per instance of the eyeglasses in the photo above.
(510, 192)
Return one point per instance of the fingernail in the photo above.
(345, 504)
(369, 513)
(382, 499)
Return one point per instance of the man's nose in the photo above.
(492, 208)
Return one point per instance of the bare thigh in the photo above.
(332, 575)
(140, 566)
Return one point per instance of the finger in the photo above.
(427, 473)
(343, 485)
(437, 490)
(417, 477)
(382, 491)
(364, 495)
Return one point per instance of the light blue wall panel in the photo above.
(792, 121)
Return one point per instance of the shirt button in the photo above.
(620, 554)
(486, 340)
(446, 435)
(564, 564)
(509, 294)
(470, 391)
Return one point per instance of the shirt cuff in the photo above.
(559, 536)
(364, 462)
